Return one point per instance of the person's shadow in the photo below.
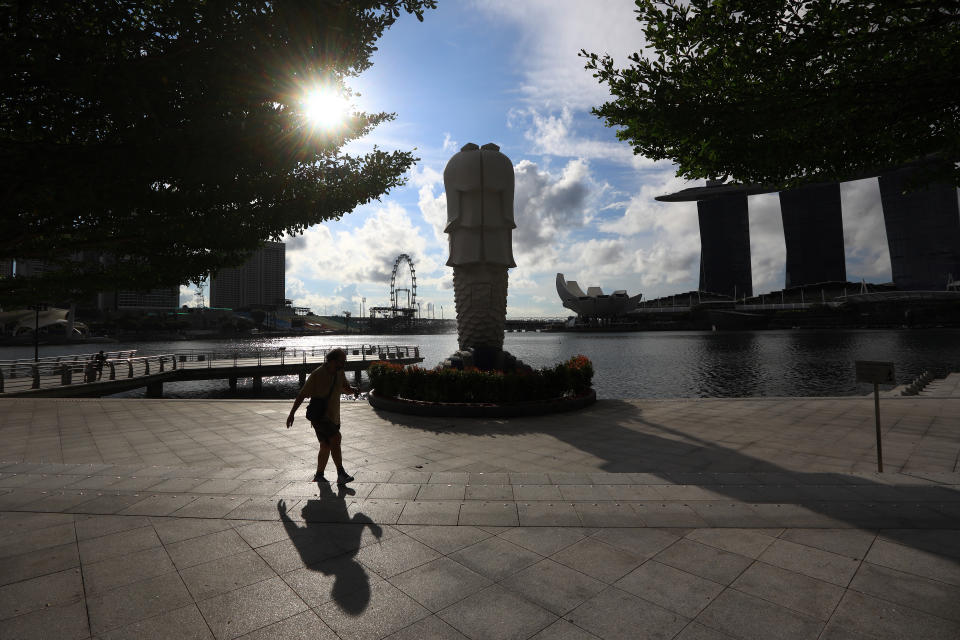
(328, 543)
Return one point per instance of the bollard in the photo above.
(174, 360)
(146, 366)
(113, 370)
(1, 380)
(130, 368)
(66, 374)
(36, 377)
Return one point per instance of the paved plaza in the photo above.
(687, 519)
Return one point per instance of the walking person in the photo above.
(323, 387)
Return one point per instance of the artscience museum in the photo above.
(595, 303)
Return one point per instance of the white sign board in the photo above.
(875, 372)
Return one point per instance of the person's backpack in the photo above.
(317, 408)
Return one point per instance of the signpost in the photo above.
(876, 373)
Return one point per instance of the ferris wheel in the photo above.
(410, 290)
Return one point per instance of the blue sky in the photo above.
(507, 72)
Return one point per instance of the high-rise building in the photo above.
(165, 298)
(259, 281)
(813, 234)
(923, 231)
(725, 245)
(32, 268)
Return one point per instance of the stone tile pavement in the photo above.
(633, 519)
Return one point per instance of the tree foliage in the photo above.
(784, 92)
(169, 137)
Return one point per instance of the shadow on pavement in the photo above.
(917, 514)
(328, 543)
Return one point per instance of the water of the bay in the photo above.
(633, 365)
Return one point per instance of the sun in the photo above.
(325, 108)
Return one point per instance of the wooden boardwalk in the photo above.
(67, 376)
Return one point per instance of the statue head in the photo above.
(479, 184)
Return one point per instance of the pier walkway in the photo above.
(678, 519)
(65, 376)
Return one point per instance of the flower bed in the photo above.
(572, 377)
(472, 392)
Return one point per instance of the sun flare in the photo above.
(325, 108)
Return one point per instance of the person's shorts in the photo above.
(325, 429)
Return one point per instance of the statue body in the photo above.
(479, 185)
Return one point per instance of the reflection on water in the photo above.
(642, 365)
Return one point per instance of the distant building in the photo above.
(32, 268)
(167, 298)
(258, 282)
(595, 303)
(725, 245)
(923, 232)
(813, 234)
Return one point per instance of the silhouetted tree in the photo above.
(788, 91)
(159, 141)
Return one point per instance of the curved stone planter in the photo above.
(481, 410)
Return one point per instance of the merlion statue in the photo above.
(479, 186)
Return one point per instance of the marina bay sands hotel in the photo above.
(922, 225)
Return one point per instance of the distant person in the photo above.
(101, 360)
(323, 387)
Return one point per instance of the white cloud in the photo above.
(449, 144)
(547, 207)
(552, 34)
(434, 211)
(768, 251)
(556, 91)
(664, 236)
(556, 133)
(362, 255)
(864, 235)
(188, 296)
(425, 176)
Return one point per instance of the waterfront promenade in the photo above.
(690, 519)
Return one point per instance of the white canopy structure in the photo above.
(595, 303)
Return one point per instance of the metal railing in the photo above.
(284, 355)
(14, 368)
(20, 375)
(61, 371)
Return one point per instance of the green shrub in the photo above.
(574, 376)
